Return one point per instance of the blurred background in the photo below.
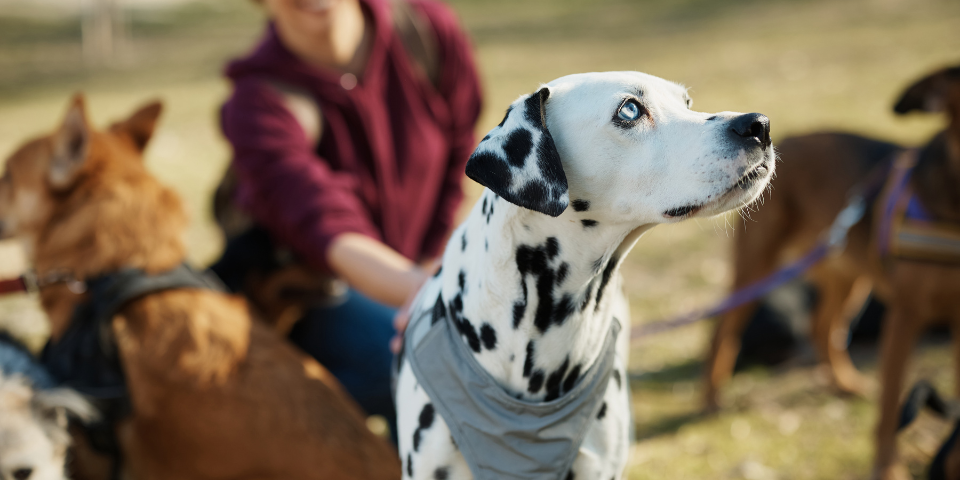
(807, 64)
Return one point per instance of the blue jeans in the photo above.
(352, 340)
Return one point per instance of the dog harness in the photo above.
(85, 358)
(907, 230)
(502, 437)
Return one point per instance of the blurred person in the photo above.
(370, 195)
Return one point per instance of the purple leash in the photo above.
(835, 239)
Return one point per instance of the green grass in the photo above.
(808, 64)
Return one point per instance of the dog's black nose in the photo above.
(752, 126)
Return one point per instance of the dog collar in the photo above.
(30, 282)
(502, 437)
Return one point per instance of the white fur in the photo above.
(672, 158)
(33, 429)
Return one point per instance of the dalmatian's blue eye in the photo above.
(630, 111)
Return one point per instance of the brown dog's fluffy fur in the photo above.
(814, 178)
(215, 395)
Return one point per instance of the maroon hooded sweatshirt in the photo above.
(391, 158)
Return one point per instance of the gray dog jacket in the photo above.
(502, 437)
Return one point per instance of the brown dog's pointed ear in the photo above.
(140, 125)
(930, 93)
(70, 144)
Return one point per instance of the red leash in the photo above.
(29, 282)
(14, 285)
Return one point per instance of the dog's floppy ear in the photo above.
(70, 144)
(930, 93)
(139, 126)
(518, 159)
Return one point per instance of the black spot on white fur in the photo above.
(464, 326)
(562, 273)
(536, 382)
(488, 336)
(555, 379)
(442, 473)
(603, 411)
(616, 377)
(463, 242)
(580, 205)
(439, 311)
(409, 465)
(605, 278)
(426, 421)
(520, 306)
(587, 223)
(517, 146)
(528, 360)
(535, 262)
(487, 209)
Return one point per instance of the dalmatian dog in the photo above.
(574, 174)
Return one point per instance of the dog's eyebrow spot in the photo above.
(580, 205)
(587, 223)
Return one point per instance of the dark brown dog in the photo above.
(812, 184)
(214, 394)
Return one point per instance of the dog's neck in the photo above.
(533, 296)
(128, 221)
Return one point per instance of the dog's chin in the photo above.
(749, 187)
(743, 192)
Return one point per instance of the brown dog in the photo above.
(214, 394)
(814, 178)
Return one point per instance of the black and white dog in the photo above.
(531, 287)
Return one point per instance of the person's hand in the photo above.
(400, 322)
(402, 318)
